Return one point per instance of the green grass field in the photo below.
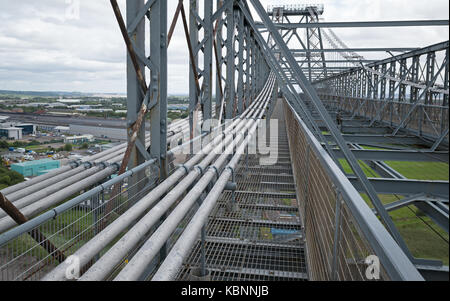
(421, 170)
(424, 238)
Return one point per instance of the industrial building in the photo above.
(62, 129)
(15, 131)
(79, 139)
(4, 119)
(27, 129)
(11, 133)
(36, 168)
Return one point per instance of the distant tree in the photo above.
(4, 144)
(9, 177)
(84, 146)
(15, 177)
(33, 142)
(68, 147)
(5, 179)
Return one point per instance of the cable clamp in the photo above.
(103, 164)
(200, 169)
(231, 170)
(215, 170)
(117, 165)
(184, 167)
(75, 164)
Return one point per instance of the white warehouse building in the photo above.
(79, 139)
(11, 133)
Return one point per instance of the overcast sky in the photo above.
(42, 48)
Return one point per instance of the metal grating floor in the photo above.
(262, 239)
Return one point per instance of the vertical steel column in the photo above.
(159, 77)
(402, 93)
(241, 38)
(355, 86)
(364, 85)
(383, 83)
(376, 83)
(415, 78)
(207, 65)
(193, 34)
(370, 88)
(391, 92)
(444, 125)
(158, 114)
(257, 69)
(247, 68)
(446, 80)
(135, 95)
(206, 46)
(220, 63)
(431, 58)
(230, 62)
(308, 53)
(253, 66)
(359, 79)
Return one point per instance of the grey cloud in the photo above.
(41, 50)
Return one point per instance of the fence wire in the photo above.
(336, 248)
(30, 256)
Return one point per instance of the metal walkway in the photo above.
(324, 211)
(262, 238)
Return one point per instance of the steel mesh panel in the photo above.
(25, 258)
(318, 198)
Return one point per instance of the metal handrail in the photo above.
(394, 260)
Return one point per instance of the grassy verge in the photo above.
(421, 170)
(424, 240)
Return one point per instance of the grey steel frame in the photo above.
(156, 12)
(248, 65)
(378, 92)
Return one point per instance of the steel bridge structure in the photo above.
(203, 199)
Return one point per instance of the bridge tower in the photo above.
(309, 39)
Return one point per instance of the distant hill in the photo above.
(44, 93)
(67, 94)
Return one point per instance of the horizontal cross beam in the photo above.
(361, 24)
(405, 186)
(397, 155)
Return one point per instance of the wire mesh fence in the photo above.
(30, 255)
(336, 247)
